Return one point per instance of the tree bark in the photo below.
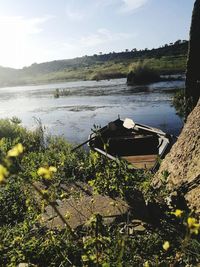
(192, 84)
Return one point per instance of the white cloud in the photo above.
(74, 11)
(74, 15)
(122, 5)
(102, 36)
(102, 40)
(104, 3)
(130, 5)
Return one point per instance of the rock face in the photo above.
(182, 164)
(79, 205)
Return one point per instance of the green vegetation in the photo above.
(142, 74)
(166, 238)
(59, 93)
(169, 59)
(179, 103)
(182, 104)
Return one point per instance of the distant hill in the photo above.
(168, 59)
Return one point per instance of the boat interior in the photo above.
(137, 146)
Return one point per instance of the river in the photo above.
(91, 102)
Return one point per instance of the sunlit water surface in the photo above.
(90, 102)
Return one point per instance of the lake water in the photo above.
(90, 102)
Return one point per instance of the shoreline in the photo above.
(169, 77)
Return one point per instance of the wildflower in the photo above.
(146, 264)
(92, 200)
(3, 173)
(194, 231)
(63, 195)
(68, 215)
(178, 213)
(193, 225)
(15, 151)
(84, 258)
(166, 245)
(47, 173)
(191, 221)
(52, 169)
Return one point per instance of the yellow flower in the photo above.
(68, 215)
(178, 213)
(197, 225)
(146, 264)
(52, 169)
(43, 172)
(191, 221)
(193, 225)
(92, 200)
(84, 258)
(3, 173)
(63, 195)
(112, 203)
(166, 245)
(15, 151)
(47, 173)
(194, 231)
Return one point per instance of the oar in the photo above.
(130, 124)
(75, 148)
(110, 125)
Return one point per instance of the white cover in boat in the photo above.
(128, 123)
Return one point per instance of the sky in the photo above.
(45, 30)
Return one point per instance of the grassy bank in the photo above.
(169, 59)
(27, 159)
(109, 70)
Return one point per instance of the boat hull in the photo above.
(141, 146)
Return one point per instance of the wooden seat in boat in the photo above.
(142, 161)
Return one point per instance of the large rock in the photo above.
(80, 205)
(180, 170)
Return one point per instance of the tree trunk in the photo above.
(192, 84)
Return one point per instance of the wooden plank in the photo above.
(142, 161)
(139, 158)
(144, 165)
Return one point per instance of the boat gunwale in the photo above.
(154, 131)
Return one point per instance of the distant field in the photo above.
(110, 69)
(169, 59)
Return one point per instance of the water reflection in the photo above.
(91, 102)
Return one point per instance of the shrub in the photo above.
(12, 203)
(15, 133)
(107, 75)
(142, 74)
(179, 102)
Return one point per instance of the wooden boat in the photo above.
(140, 145)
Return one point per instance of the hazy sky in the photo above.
(46, 30)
